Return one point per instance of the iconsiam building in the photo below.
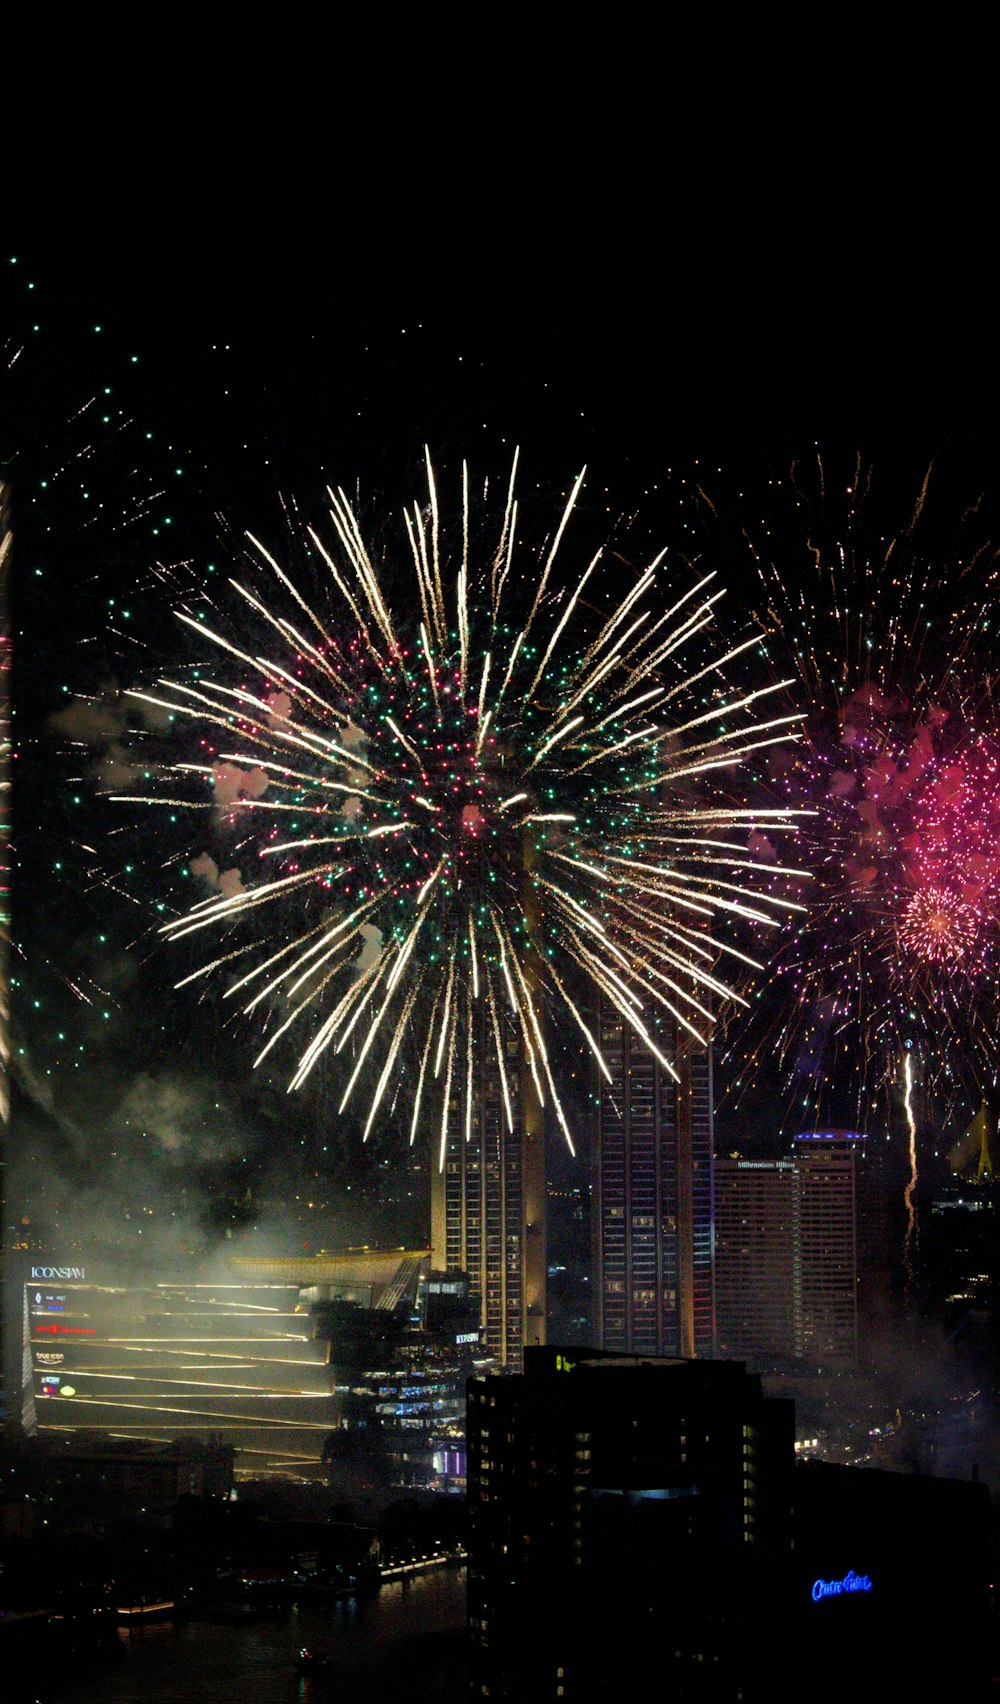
(170, 1360)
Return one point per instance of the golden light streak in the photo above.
(506, 546)
(435, 553)
(641, 586)
(446, 1097)
(553, 739)
(330, 933)
(390, 1058)
(431, 668)
(483, 729)
(560, 628)
(415, 1122)
(583, 1027)
(293, 591)
(444, 1019)
(501, 1067)
(469, 1057)
(518, 642)
(429, 883)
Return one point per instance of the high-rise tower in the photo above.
(828, 1281)
(652, 1198)
(488, 1196)
(488, 1199)
(785, 1253)
(757, 1259)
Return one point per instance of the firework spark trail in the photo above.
(470, 813)
(910, 1190)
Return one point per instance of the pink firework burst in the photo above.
(939, 929)
(884, 600)
(951, 861)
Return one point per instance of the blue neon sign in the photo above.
(851, 1582)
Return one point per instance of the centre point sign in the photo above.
(851, 1582)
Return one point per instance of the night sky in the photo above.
(309, 256)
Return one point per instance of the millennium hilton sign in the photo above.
(57, 1272)
(851, 1582)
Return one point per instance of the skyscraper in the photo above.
(828, 1280)
(786, 1253)
(488, 1198)
(757, 1258)
(653, 1194)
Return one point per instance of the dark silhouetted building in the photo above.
(628, 1521)
(961, 1249)
(890, 1586)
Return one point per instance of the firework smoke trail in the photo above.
(910, 1190)
(889, 631)
(474, 810)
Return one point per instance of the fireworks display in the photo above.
(900, 947)
(503, 801)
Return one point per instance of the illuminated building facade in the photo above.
(239, 1356)
(488, 1199)
(171, 1360)
(399, 1382)
(652, 1199)
(627, 1520)
(786, 1253)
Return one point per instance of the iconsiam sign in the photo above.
(468, 806)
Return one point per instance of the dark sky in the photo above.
(309, 254)
(699, 246)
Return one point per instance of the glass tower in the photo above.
(653, 1194)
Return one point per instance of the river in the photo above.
(404, 1644)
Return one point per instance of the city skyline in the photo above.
(747, 286)
(235, 390)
